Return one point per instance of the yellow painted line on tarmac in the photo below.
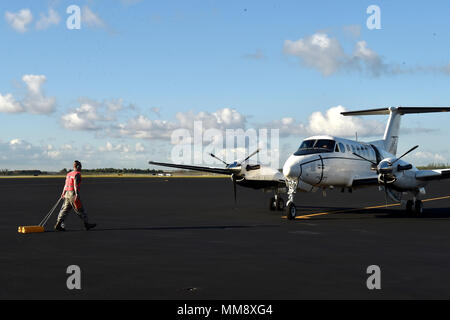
(307, 216)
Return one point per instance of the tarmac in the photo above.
(182, 238)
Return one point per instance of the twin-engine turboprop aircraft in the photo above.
(325, 161)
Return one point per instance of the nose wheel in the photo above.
(291, 211)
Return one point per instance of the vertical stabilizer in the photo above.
(392, 131)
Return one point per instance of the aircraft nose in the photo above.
(291, 168)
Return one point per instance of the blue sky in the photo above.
(154, 60)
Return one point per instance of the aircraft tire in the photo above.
(409, 207)
(273, 204)
(291, 211)
(280, 204)
(418, 207)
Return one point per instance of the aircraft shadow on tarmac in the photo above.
(380, 213)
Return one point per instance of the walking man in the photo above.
(71, 196)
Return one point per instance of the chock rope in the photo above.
(49, 214)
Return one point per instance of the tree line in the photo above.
(7, 172)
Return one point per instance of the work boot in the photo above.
(89, 226)
(59, 226)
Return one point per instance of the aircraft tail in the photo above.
(391, 133)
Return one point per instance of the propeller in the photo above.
(235, 165)
(216, 157)
(251, 155)
(410, 150)
(384, 169)
(234, 187)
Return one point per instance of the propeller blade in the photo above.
(251, 155)
(359, 156)
(216, 157)
(234, 189)
(410, 150)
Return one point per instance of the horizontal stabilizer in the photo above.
(400, 110)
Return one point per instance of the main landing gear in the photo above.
(414, 207)
(276, 203)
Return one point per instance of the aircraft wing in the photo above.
(428, 175)
(365, 181)
(226, 171)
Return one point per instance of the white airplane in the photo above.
(323, 162)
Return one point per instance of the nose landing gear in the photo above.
(291, 210)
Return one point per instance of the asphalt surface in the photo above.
(174, 238)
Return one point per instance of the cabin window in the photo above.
(348, 148)
(341, 146)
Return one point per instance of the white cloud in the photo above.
(91, 19)
(325, 54)
(19, 20)
(318, 51)
(222, 119)
(34, 101)
(46, 21)
(93, 115)
(426, 157)
(109, 147)
(8, 104)
(141, 127)
(139, 147)
(84, 117)
(331, 122)
(288, 126)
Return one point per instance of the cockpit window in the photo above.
(315, 146)
(307, 144)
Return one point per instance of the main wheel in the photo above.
(273, 204)
(418, 207)
(280, 204)
(291, 211)
(409, 207)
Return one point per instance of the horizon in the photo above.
(113, 92)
